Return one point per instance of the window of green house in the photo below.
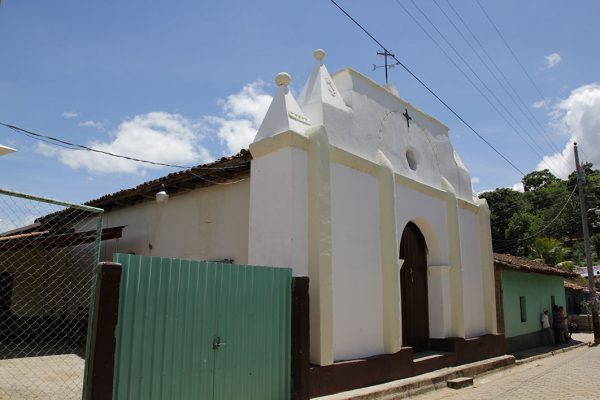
(552, 302)
(523, 308)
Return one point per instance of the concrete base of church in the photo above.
(348, 375)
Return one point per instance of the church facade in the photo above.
(363, 193)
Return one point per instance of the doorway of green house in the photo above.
(413, 286)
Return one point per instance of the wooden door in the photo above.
(413, 283)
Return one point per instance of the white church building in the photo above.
(357, 189)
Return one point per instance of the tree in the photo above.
(538, 179)
(548, 249)
(595, 241)
(521, 227)
(503, 203)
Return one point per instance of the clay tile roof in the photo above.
(574, 286)
(524, 265)
(223, 170)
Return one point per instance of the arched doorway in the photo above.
(413, 286)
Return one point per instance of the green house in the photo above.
(524, 288)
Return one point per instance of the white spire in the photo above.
(284, 113)
(319, 90)
(6, 150)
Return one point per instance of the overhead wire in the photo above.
(431, 91)
(522, 107)
(503, 75)
(477, 76)
(564, 206)
(74, 146)
(510, 50)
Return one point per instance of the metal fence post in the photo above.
(99, 385)
(300, 367)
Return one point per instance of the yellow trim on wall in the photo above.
(353, 161)
(320, 268)
(390, 268)
(347, 159)
(465, 205)
(455, 258)
(273, 143)
(419, 187)
(487, 267)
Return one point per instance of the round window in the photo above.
(411, 157)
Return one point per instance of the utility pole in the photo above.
(586, 242)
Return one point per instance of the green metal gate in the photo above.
(202, 330)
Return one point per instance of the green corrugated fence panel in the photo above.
(171, 310)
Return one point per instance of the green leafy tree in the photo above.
(521, 227)
(503, 203)
(548, 249)
(538, 179)
(548, 207)
(595, 241)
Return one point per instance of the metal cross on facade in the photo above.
(387, 66)
(408, 118)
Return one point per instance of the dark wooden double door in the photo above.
(413, 286)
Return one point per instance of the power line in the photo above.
(529, 115)
(428, 88)
(545, 227)
(74, 146)
(491, 92)
(510, 49)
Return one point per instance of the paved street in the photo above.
(563, 376)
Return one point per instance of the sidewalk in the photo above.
(579, 339)
(406, 388)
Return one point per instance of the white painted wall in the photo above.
(377, 123)
(472, 274)
(278, 227)
(356, 259)
(204, 224)
(429, 213)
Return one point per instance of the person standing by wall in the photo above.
(556, 324)
(564, 327)
(547, 334)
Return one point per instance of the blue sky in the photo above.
(184, 82)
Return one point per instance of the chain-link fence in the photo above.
(48, 253)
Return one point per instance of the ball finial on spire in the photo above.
(283, 79)
(319, 55)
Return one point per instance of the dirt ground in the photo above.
(57, 377)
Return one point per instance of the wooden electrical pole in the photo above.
(586, 243)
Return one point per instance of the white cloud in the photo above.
(92, 124)
(552, 60)
(475, 180)
(518, 187)
(578, 116)
(156, 136)
(171, 138)
(70, 114)
(244, 112)
(545, 104)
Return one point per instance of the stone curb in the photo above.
(423, 383)
(551, 353)
(420, 384)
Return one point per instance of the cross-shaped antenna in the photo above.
(387, 66)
